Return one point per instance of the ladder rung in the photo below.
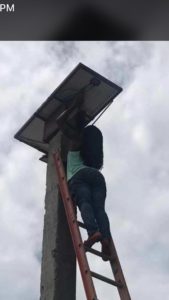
(96, 252)
(105, 279)
(82, 225)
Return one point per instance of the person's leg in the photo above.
(98, 197)
(81, 193)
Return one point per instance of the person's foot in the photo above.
(94, 238)
(106, 249)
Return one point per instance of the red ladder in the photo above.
(79, 248)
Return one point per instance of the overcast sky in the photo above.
(136, 168)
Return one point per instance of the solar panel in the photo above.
(99, 92)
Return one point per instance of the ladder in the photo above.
(79, 247)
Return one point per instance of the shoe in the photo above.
(94, 238)
(106, 249)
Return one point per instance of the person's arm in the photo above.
(76, 138)
(75, 134)
(74, 145)
(76, 103)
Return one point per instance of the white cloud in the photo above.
(135, 130)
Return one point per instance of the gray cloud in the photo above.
(136, 168)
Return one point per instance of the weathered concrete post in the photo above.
(58, 274)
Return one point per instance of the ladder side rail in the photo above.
(118, 274)
(74, 230)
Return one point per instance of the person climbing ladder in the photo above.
(86, 182)
(87, 185)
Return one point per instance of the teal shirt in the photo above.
(74, 163)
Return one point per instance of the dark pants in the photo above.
(88, 190)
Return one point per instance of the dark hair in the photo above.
(92, 147)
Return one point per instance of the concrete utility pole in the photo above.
(58, 273)
(41, 131)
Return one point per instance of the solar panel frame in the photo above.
(55, 104)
